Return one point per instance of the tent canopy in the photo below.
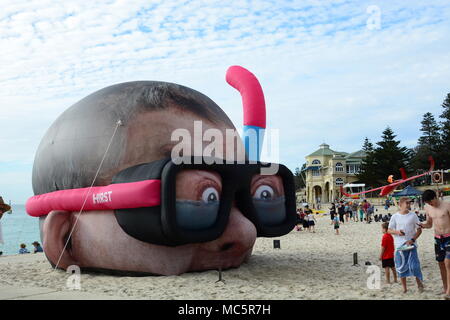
(409, 191)
(355, 185)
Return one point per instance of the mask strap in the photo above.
(146, 193)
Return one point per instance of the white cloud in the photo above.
(315, 60)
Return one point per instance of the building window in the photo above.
(351, 168)
(339, 167)
(339, 182)
(357, 168)
(315, 161)
(315, 173)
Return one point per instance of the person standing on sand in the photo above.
(311, 221)
(341, 211)
(404, 226)
(1, 235)
(347, 211)
(361, 212)
(386, 205)
(307, 212)
(438, 216)
(332, 211)
(335, 222)
(300, 219)
(370, 212)
(365, 207)
(387, 253)
(355, 211)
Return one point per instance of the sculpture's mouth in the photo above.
(231, 257)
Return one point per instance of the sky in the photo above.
(331, 71)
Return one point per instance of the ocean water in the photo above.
(18, 228)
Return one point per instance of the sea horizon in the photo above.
(18, 227)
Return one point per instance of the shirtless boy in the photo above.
(438, 215)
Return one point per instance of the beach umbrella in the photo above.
(409, 191)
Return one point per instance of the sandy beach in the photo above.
(308, 266)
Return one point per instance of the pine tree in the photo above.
(367, 173)
(298, 178)
(444, 154)
(367, 146)
(429, 143)
(390, 156)
(386, 159)
(430, 129)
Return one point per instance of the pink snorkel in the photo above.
(254, 109)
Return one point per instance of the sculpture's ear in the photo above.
(56, 230)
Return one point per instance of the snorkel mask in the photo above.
(186, 200)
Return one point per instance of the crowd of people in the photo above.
(346, 211)
(400, 231)
(342, 212)
(305, 220)
(352, 210)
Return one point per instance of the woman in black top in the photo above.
(341, 211)
(332, 211)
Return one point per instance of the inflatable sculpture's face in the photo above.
(99, 242)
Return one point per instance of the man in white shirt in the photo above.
(404, 226)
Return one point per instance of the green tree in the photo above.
(444, 154)
(428, 144)
(367, 145)
(390, 156)
(430, 129)
(367, 173)
(299, 179)
(385, 159)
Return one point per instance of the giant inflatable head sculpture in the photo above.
(111, 195)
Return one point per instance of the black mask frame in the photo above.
(158, 225)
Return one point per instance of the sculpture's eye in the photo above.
(264, 192)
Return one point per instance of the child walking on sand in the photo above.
(347, 211)
(307, 212)
(361, 212)
(312, 222)
(335, 222)
(387, 253)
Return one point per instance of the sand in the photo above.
(308, 266)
